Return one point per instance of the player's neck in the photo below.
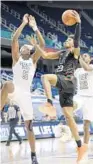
(25, 58)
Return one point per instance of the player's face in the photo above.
(69, 43)
(86, 58)
(25, 51)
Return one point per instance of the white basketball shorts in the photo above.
(87, 107)
(23, 100)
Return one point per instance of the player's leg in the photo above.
(82, 149)
(86, 131)
(87, 117)
(66, 101)
(31, 139)
(68, 112)
(7, 88)
(26, 109)
(48, 81)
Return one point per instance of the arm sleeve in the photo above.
(77, 35)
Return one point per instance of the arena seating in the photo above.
(47, 21)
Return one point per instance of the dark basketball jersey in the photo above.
(67, 64)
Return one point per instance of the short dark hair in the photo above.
(71, 36)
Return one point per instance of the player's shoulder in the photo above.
(16, 62)
(78, 69)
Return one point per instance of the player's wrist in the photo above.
(24, 23)
(35, 28)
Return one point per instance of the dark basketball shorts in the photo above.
(66, 91)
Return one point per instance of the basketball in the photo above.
(67, 18)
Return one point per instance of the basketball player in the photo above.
(84, 77)
(64, 80)
(24, 66)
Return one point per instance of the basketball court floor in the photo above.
(49, 151)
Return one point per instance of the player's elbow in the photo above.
(14, 39)
(45, 56)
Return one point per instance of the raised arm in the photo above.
(15, 44)
(77, 35)
(33, 25)
(85, 65)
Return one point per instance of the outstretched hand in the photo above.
(26, 18)
(32, 22)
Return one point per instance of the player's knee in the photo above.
(6, 86)
(68, 115)
(29, 125)
(43, 78)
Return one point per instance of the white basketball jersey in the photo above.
(84, 82)
(23, 73)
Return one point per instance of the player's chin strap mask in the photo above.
(30, 47)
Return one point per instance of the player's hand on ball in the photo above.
(26, 19)
(77, 16)
(32, 22)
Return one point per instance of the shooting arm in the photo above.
(77, 36)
